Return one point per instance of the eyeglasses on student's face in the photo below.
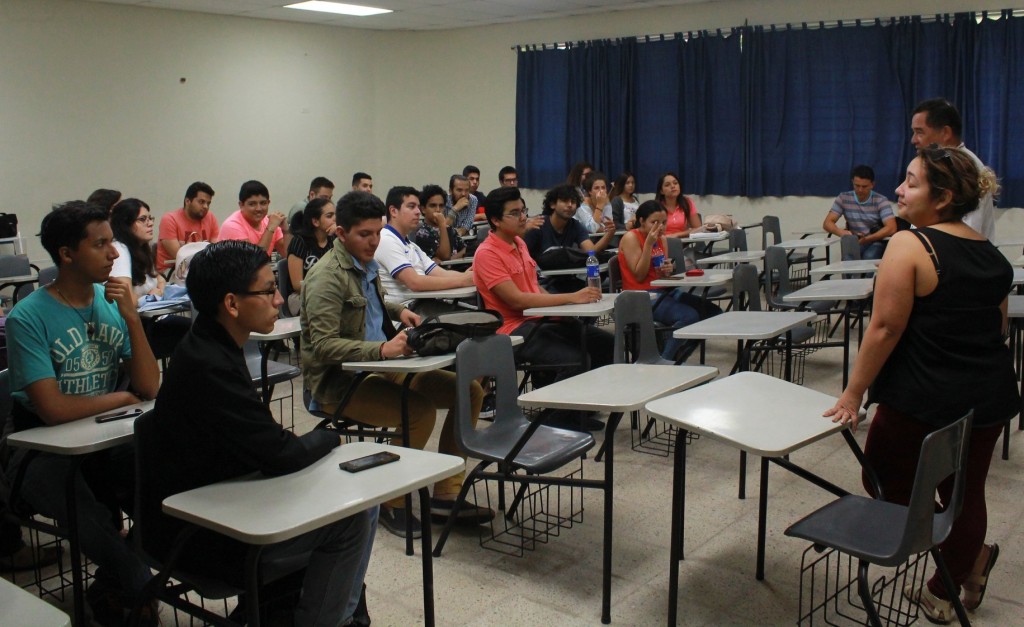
(518, 214)
(145, 219)
(269, 292)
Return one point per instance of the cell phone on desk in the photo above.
(360, 464)
(119, 415)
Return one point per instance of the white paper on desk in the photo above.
(713, 235)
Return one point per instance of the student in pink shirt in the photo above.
(193, 222)
(253, 221)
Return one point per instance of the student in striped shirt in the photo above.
(868, 214)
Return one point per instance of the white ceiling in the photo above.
(411, 14)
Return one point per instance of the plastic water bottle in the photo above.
(657, 256)
(593, 271)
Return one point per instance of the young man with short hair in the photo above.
(66, 343)
(253, 221)
(472, 174)
(192, 222)
(362, 182)
(320, 187)
(508, 177)
(345, 318)
(868, 214)
(232, 433)
(506, 276)
(404, 267)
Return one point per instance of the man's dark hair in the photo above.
(941, 112)
(429, 191)
(354, 207)
(862, 172)
(506, 170)
(494, 206)
(564, 191)
(470, 169)
(194, 189)
(66, 225)
(222, 268)
(320, 181)
(396, 196)
(105, 198)
(250, 189)
(358, 176)
(593, 177)
(456, 177)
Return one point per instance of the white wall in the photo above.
(90, 97)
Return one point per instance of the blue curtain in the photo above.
(772, 111)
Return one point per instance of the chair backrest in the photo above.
(146, 502)
(635, 340)
(6, 404)
(47, 276)
(675, 253)
(614, 275)
(17, 265)
(776, 275)
(284, 285)
(849, 248)
(481, 232)
(489, 356)
(770, 226)
(737, 240)
(943, 453)
(746, 290)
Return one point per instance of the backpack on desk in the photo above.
(441, 334)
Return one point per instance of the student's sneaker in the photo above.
(470, 514)
(394, 520)
(487, 410)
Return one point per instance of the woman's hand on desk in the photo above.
(846, 410)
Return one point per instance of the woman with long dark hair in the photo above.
(624, 201)
(313, 234)
(682, 214)
(934, 350)
(132, 224)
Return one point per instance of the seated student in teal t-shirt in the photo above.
(66, 344)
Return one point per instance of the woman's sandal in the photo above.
(936, 610)
(974, 587)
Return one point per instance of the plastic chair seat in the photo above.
(547, 449)
(277, 372)
(857, 525)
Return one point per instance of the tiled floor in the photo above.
(559, 582)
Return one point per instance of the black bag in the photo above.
(440, 334)
(565, 258)
(8, 225)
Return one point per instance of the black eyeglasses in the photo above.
(269, 292)
(517, 214)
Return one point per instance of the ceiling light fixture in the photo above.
(337, 7)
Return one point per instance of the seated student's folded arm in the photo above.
(515, 298)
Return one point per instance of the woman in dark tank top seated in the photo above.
(933, 351)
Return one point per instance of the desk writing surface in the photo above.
(853, 266)
(1018, 276)
(585, 310)
(1015, 306)
(707, 236)
(756, 413)
(745, 325)
(263, 510)
(711, 278)
(832, 289)
(284, 328)
(21, 607)
(808, 242)
(736, 256)
(1008, 241)
(603, 267)
(617, 387)
(454, 293)
(412, 363)
(82, 436)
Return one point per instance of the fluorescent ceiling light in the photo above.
(337, 7)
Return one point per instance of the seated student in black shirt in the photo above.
(312, 232)
(213, 426)
(561, 230)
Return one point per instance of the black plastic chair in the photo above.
(284, 285)
(777, 284)
(849, 248)
(887, 534)
(737, 240)
(521, 451)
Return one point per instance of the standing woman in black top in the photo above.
(934, 350)
(313, 235)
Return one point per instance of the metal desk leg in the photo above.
(846, 345)
(677, 528)
(406, 383)
(609, 476)
(428, 564)
(264, 356)
(762, 519)
(77, 584)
